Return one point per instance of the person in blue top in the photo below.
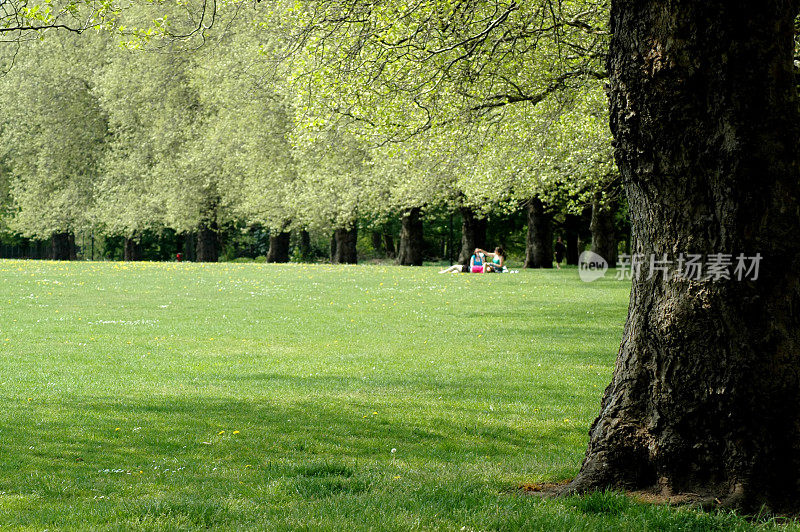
(498, 264)
(476, 264)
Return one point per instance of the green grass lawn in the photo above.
(181, 396)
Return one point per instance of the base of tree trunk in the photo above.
(572, 224)
(132, 250)
(187, 244)
(706, 386)
(345, 246)
(654, 495)
(279, 247)
(207, 249)
(539, 243)
(473, 235)
(63, 245)
(412, 243)
(305, 245)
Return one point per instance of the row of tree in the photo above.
(125, 140)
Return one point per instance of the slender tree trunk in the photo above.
(388, 245)
(705, 393)
(377, 243)
(604, 236)
(412, 243)
(279, 246)
(132, 250)
(473, 234)
(539, 243)
(207, 243)
(305, 245)
(190, 246)
(63, 245)
(346, 246)
(572, 223)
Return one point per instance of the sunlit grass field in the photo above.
(250, 396)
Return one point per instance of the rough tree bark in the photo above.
(539, 242)
(279, 246)
(473, 234)
(572, 224)
(412, 243)
(132, 250)
(345, 249)
(63, 245)
(704, 397)
(207, 249)
(604, 236)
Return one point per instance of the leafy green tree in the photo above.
(453, 69)
(160, 171)
(248, 133)
(54, 137)
(334, 173)
(128, 200)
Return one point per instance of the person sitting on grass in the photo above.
(498, 264)
(476, 263)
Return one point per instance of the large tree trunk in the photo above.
(473, 234)
(604, 237)
(705, 393)
(132, 250)
(572, 224)
(412, 243)
(345, 252)
(539, 242)
(207, 249)
(63, 245)
(279, 246)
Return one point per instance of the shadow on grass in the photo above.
(91, 435)
(207, 463)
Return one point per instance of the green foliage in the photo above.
(24, 20)
(481, 104)
(301, 115)
(53, 129)
(402, 68)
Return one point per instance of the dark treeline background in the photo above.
(441, 241)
